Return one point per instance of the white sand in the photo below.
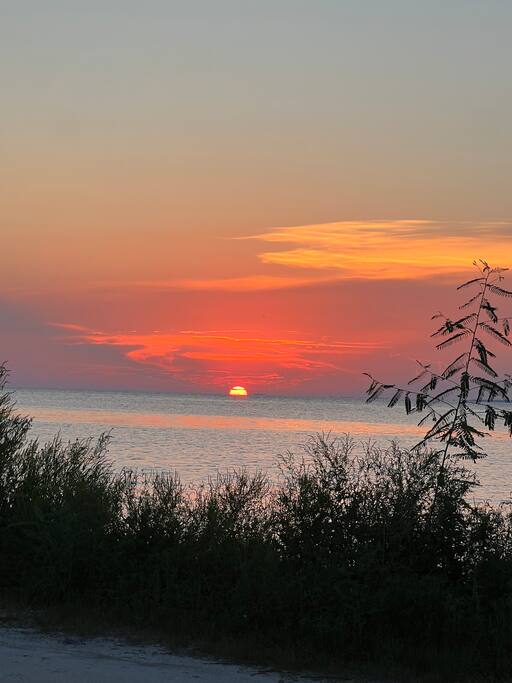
(27, 656)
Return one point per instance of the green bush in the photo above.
(356, 554)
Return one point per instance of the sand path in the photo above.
(27, 656)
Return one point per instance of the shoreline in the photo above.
(31, 656)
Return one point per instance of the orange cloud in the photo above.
(345, 250)
(389, 249)
(248, 283)
(214, 359)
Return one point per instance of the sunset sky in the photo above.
(272, 193)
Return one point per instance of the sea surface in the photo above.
(198, 435)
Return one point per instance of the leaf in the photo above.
(451, 325)
(378, 392)
(483, 366)
(373, 383)
(395, 398)
(470, 301)
(495, 333)
(499, 291)
(474, 413)
(490, 418)
(465, 319)
(426, 388)
(452, 340)
(506, 327)
(421, 402)
(464, 385)
(468, 432)
(453, 371)
(469, 455)
(426, 417)
(446, 328)
(493, 388)
(372, 387)
(483, 351)
(415, 379)
(440, 426)
(507, 383)
(490, 310)
(438, 397)
(454, 365)
(506, 416)
(407, 402)
(470, 282)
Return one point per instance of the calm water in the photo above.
(199, 435)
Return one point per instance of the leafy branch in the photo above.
(462, 395)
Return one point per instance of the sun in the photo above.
(238, 391)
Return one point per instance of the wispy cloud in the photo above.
(388, 249)
(247, 283)
(345, 250)
(219, 358)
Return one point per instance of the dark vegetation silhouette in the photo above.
(461, 395)
(344, 560)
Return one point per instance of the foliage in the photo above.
(345, 559)
(459, 399)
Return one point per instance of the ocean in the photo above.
(200, 435)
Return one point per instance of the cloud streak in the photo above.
(347, 250)
(218, 359)
(404, 249)
(247, 283)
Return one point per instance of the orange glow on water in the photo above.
(238, 391)
(169, 420)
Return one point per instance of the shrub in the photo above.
(356, 554)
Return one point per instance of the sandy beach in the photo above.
(28, 656)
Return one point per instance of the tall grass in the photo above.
(345, 559)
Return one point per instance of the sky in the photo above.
(271, 193)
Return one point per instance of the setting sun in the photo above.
(238, 391)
